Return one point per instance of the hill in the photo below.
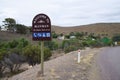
(99, 29)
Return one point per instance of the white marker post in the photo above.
(79, 56)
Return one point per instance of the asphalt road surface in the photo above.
(109, 63)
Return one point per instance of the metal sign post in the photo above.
(41, 31)
(42, 58)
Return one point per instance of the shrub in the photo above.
(22, 43)
(67, 36)
(52, 45)
(65, 44)
(13, 44)
(116, 38)
(3, 53)
(54, 35)
(106, 41)
(69, 49)
(13, 61)
(32, 53)
(47, 53)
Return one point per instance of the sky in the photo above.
(61, 12)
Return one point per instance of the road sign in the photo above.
(41, 28)
(41, 31)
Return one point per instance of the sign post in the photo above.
(42, 58)
(41, 31)
(79, 56)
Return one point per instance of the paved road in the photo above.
(109, 63)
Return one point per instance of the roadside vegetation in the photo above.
(18, 51)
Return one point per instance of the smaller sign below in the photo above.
(41, 35)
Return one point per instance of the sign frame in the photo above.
(41, 31)
(41, 28)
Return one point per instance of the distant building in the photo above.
(72, 37)
(115, 43)
(3, 29)
(61, 37)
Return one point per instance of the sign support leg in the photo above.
(42, 58)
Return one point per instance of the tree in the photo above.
(61, 34)
(67, 36)
(54, 35)
(72, 34)
(86, 33)
(30, 28)
(9, 23)
(22, 29)
(116, 38)
(0, 28)
(79, 35)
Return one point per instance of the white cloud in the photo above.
(63, 13)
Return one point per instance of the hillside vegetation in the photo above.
(99, 29)
(17, 47)
(110, 29)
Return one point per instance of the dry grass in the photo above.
(7, 36)
(99, 28)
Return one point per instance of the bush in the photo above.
(67, 36)
(106, 41)
(65, 43)
(54, 35)
(12, 62)
(116, 38)
(52, 45)
(69, 49)
(11, 55)
(2, 68)
(13, 44)
(33, 54)
(22, 43)
(3, 53)
(85, 44)
(71, 45)
(47, 53)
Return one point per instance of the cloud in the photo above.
(63, 13)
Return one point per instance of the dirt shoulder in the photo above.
(94, 71)
(63, 68)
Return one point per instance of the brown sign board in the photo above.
(41, 28)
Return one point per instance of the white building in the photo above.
(72, 37)
(61, 37)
